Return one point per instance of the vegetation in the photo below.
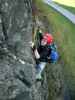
(70, 3)
(71, 9)
(67, 4)
(64, 33)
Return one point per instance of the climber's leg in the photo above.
(39, 68)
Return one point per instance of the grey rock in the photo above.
(17, 66)
(17, 72)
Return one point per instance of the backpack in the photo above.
(54, 56)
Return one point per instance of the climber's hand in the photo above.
(37, 55)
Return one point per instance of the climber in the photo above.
(44, 53)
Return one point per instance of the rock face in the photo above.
(16, 62)
(17, 66)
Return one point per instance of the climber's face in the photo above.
(43, 42)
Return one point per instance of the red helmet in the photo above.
(48, 37)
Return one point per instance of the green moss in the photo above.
(64, 34)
